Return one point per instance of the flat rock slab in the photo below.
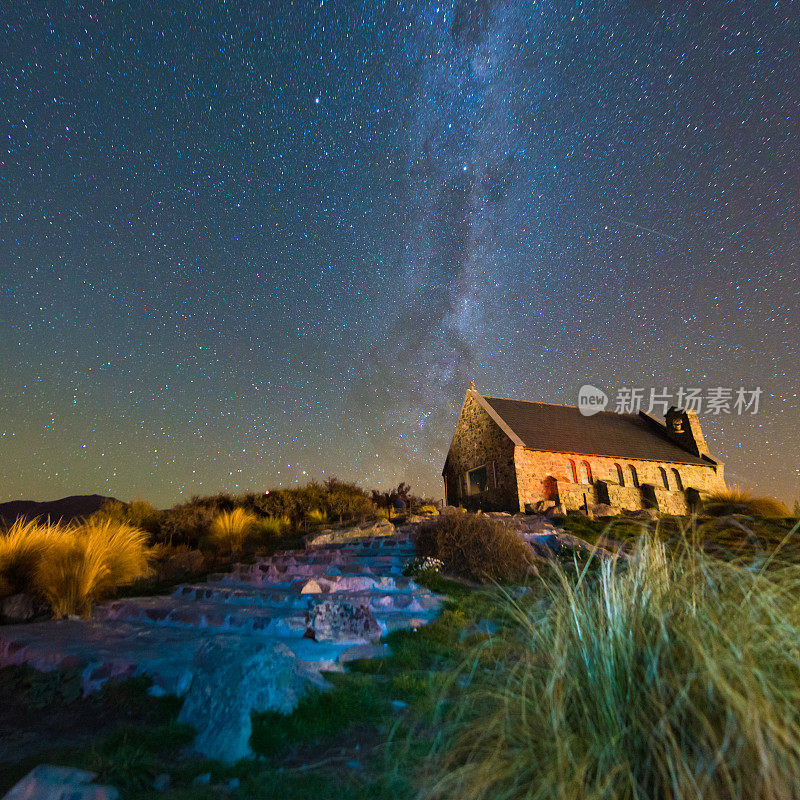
(47, 782)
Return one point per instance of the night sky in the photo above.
(244, 245)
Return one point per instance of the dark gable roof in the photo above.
(544, 426)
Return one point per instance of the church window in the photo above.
(478, 480)
(678, 481)
(664, 477)
(573, 471)
(634, 475)
(586, 472)
(620, 476)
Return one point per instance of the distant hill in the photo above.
(66, 509)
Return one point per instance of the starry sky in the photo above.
(245, 245)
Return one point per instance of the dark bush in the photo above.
(478, 548)
(187, 524)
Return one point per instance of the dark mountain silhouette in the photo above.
(66, 509)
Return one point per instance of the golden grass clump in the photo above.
(231, 529)
(736, 500)
(22, 548)
(71, 566)
(477, 548)
(669, 674)
(86, 562)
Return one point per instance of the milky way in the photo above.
(247, 246)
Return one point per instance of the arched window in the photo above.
(664, 477)
(573, 471)
(620, 476)
(634, 475)
(678, 481)
(586, 472)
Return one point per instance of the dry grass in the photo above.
(656, 677)
(72, 566)
(231, 529)
(477, 548)
(87, 562)
(736, 500)
(22, 548)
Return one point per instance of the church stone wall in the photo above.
(536, 469)
(479, 441)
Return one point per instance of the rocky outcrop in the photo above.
(366, 530)
(245, 640)
(231, 681)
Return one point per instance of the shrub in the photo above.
(273, 527)
(22, 548)
(87, 562)
(428, 508)
(187, 524)
(476, 547)
(138, 513)
(739, 501)
(230, 529)
(657, 677)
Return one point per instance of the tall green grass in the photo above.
(669, 674)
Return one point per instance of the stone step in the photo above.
(280, 621)
(121, 649)
(321, 583)
(283, 573)
(249, 596)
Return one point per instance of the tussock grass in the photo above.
(736, 500)
(22, 548)
(669, 674)
(477, 548)
(71, 566)
(231, 529)
(87, 562)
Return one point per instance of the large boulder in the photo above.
(555, 511)
(340, 621)
(603, 510)
(47, 782)
(234, 678)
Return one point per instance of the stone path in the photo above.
(313, 609)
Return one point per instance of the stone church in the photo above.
(517, 456)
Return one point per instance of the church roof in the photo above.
(564, 429)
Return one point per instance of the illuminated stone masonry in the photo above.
(520, 456)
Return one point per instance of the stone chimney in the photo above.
(683, 427)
